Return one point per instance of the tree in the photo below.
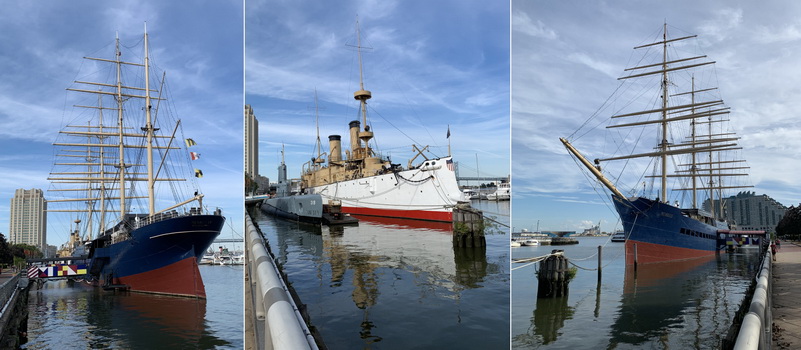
(250, 184)
(790, 224)
(26, 251)
(5, 251)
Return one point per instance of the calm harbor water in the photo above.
(391, 284)
(688, 305)
(77, 316)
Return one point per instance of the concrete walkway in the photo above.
(786, 297)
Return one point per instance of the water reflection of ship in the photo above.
(443, 227)
(358, 256)
(124, 320)
(657, 296)
(178, 321)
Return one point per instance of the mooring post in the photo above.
(600, 252)
(635, 256)
(552, 278)
(468, 228)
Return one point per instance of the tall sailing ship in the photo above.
(367, 184)
(122, 152)
(690, 132)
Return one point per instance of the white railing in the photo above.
(284, 327)
(755, 331)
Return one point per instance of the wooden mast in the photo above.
(663, 145)
(692, 138)
(151, 193)
(120, 128)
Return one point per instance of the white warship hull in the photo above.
(429, 192)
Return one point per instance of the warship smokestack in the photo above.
(335, 143)
(354, 135)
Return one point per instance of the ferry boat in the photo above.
(619, 236)
(103, 164)
(662, 231)
(367, 184)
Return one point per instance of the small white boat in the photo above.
(225, 260)
(530, 242)
(515, 244)
(502, 193)
(619, 236)
(207, 259)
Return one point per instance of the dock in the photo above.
(786, 299)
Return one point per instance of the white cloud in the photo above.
(521, 22)
(722, 23)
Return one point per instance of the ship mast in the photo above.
(362, 95)
(692, 138)
(121, 164)
(151, 197)
(317, 160)
(663, 145)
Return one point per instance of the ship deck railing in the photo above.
(165, 216)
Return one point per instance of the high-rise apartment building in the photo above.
(251, 143)
(28, 221)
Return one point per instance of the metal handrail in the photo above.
(755, 331)
(284, 325)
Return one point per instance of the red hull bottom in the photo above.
(181, 278)
(443, 216)
(648, 253)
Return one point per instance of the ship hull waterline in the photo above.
(159, 258)
(663, 233)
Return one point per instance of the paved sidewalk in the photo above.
(786, 297)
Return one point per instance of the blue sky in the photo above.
(41, 50)
(432, 64)
(566, 60)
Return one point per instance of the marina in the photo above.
(368, 286)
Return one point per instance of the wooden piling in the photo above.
(600, 253)
(553, 275)
(468, 228)
(635, 256)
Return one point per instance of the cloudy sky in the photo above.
(41, 50)
(431, 64)
(566, 58)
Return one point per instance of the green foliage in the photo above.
(20, 263)
(26, 251)
(570, 273)
(250, 184)
(790, 224)
(5, 251)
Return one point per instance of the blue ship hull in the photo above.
(662, 232)
(160, 257)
